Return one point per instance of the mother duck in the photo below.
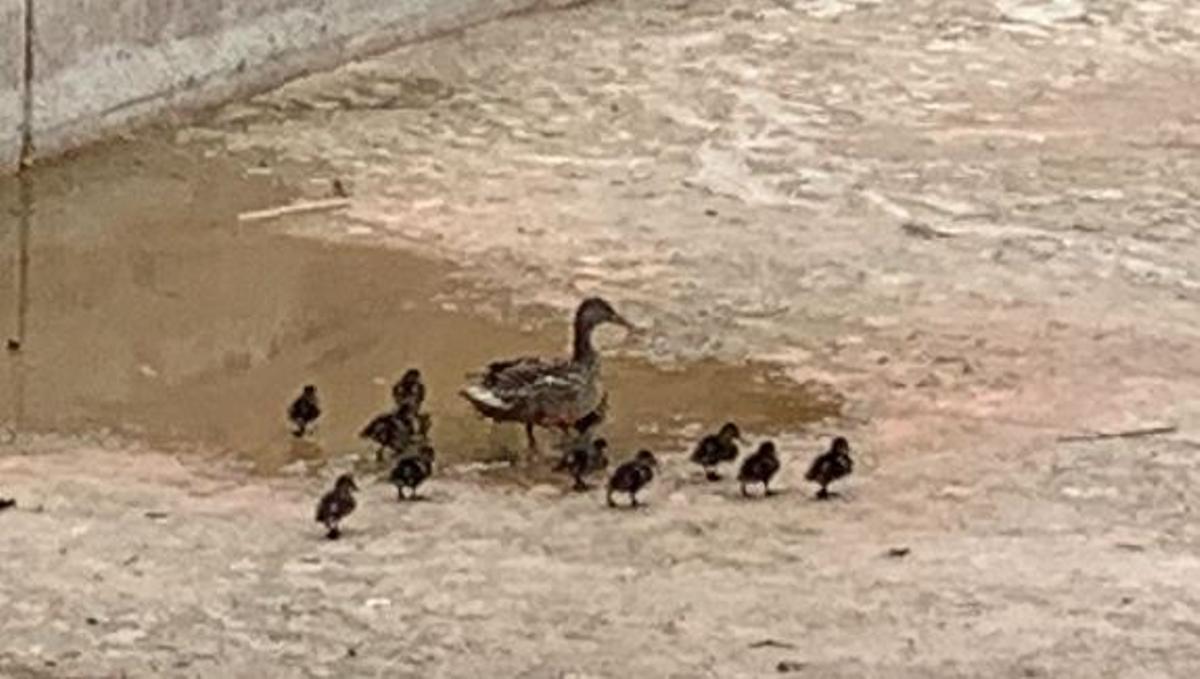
(547, 392)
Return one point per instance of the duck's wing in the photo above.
(529, 376)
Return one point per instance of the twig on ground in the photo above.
(1124, 434)
(300, 207)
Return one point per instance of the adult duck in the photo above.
(547, 392)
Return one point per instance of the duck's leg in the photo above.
(334, 531)
(580, 486)
(609, 498)
(823, 494)
(711, 474)
(744, 492)
(767, 488)
(633, 501)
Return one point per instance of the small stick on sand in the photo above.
(301, 207)
(1126, 434)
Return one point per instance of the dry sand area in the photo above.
(972, 226)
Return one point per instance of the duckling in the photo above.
(336, 505)
(582, 459)
(759, 468)
(632, 476)
(7, 503)
(409, 392)
(304, 410)
(831, 466)
(412, 470)
(390, 431)
(717, 448)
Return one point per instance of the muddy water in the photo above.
(148, 311)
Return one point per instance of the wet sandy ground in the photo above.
(975, 222)
(151, 312)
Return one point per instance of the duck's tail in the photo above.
(486, 401)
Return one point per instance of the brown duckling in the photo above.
(632, 476)
(409, 393)
(390, 431)
(717, 448)
(760, 468)
(831, 466)
(304, 410)
(413, 470)
(336, 505)
(582, 459)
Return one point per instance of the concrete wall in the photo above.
(12, 50)
(103, 64)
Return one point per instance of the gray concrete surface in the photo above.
(103, 65)
(10, 82)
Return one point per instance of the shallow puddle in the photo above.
(147, 310)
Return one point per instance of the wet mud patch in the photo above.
(150, 313)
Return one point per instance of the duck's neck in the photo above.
(583, 351)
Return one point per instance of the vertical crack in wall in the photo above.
(27, 86)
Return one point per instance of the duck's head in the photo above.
(730, 432)
(595, 311)
(647, 458)
(840, 445)
(411, 377)
(426, 451)
(310, 390)
(600, 445)
(767, 449)
(345, 483)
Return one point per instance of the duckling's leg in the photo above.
(745, 493)
(400, 493)
(580, 486)
(823, 494)
(767, 488)
(300, 427)
(529, 435)
(334, 531)
(633, 501)
(711, 474)
(608, 496)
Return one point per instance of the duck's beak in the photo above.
(624, 323)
